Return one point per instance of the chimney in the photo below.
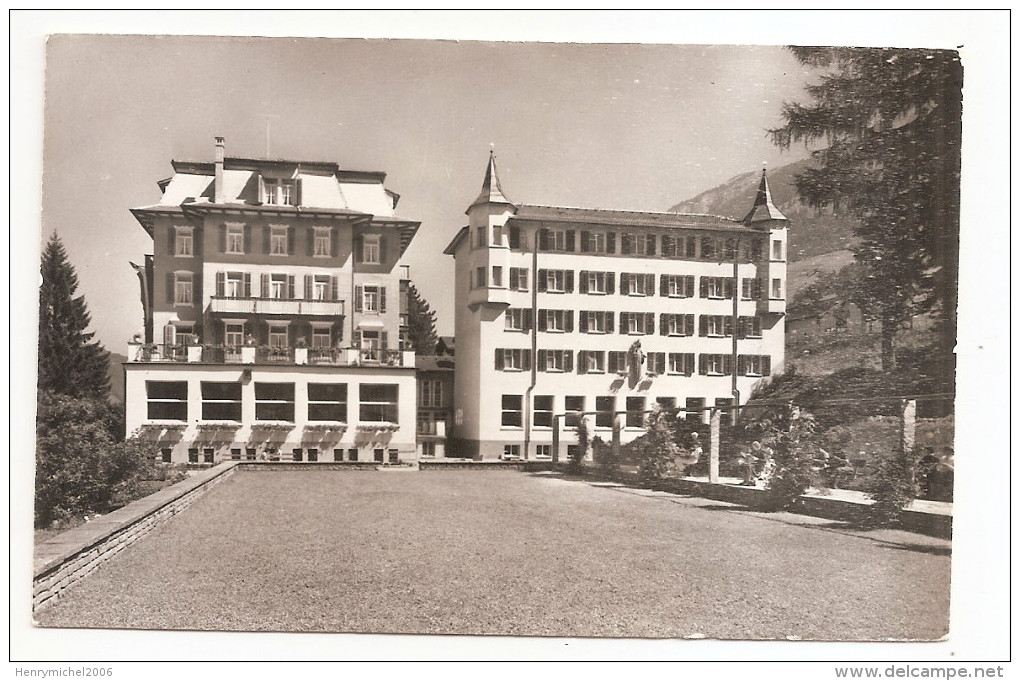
(218, 181)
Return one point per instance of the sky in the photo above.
(610, 110)
(637, 127)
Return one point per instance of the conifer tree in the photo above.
(421, 323)
(70, 362)
(890, 120)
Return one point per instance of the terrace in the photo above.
(165, 353)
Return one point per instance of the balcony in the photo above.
(226, 354)
(280, 306)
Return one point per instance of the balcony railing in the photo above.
(224, 304)
(229, 354)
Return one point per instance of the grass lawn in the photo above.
(503, 552)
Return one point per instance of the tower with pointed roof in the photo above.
(570, 315)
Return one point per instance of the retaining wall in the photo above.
(71, 555)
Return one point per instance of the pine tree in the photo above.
(421, 323)
(891, 123)
(70, 362)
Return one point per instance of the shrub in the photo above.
(792, 441)
(892, 486)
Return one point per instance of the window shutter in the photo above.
(585, 241)
(570, 240)
(514, 278)
(689, 363)
(741, 365)
(568, 360)
(727, 364)
(663, 324)
(649, 284)
(610, 242)
(582, 321)
(689, 285)
(526, 360)
(357, 298)
(702, 325)
(382, 299)
(703, 292)
(298, 187)
(689, 325)
(741, 328)
(170, 279)
(221, 284)
(334, 288)
(522, 275)
(356, 339)
(541, 360)
(623, 322)
(334, 241)
(568, 321)
(703, 364)
(290, 287)
(766, 365)
(528, 321)
(267, 233)
(663, 285)
(610, 282)
(609, 321)
(264, 290)
(667, 245)
(499, 359)
(310, 234)
(569, 281)
(624, 283)
(384, 340)
(650, 244)
(247, 284)
(582, 284)
(649, 323)
(728, 287)
(262, 189)
(625, 244)
(582, 361)
(171, 238)
(515, 236)
(542, 320)
(541, 280)
(383, 253)
(543, 239)
(359, 249)
(727, 326)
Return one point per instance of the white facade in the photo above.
(566, 313)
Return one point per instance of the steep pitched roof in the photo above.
(763, 208)
(624, 218)
(491, 191)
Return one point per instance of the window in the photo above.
(480, 233)
(542, 414)
(730, 249)
(394, 455)
(708, 247)
(480, 277)
(681, 363)
(617, 362)
(370, 249)
(715, 365)
(274, 401)
(338, 454)
(514, 237)
(591, 361)
(595, 321)
(352, 454)
(511, 451)
(543, 451)
(676, 246)
(428, 449)
(184, 241)
(234, 238)
(327, 402)
(278, 192)
(233, 284)
(716, 325)
(556, 321)
(166, 454)
(593, 242)
(604, 408)
(167, 400)
(208, 455)
(432, 393)
(555, 240)
(573, 452)
(777, 288)
(371, 299)
(249, 453)
(278, 286)
(192, 455)
(511, 411)
(694, 408)
(513, 359)
(594, 282)
(497, 235)
(777, 249)
(497, 276)
(321, 287)
(278, 240)
(556, 281)
(634, 284)
(666, 403)
(518, 279)
(754, 365)
(221, 401)
(676, 324)
(635, 412)
(749, 327)
(555, 360)
(183, 292)
(573, 405)
(676, 285)
(379, 402)
(717, 287)
(322, 245)
(233, 335)
(637, 322)
(644, 244)
(235, 454)
(750, 289)
(278, 336)
(656, 363)
(379, 455)
(518, 319)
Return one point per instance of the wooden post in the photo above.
(556, 439)
(908, 423)
(713, 446)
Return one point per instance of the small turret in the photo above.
(763, 209)
(491, 191)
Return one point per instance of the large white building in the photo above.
(275, 315)
(571, 313)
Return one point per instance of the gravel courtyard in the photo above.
(510, 553)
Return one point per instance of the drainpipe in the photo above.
(534, 346)
(736, 298)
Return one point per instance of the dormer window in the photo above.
(278, 192)
(370, 252)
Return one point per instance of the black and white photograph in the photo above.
(492, 338)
